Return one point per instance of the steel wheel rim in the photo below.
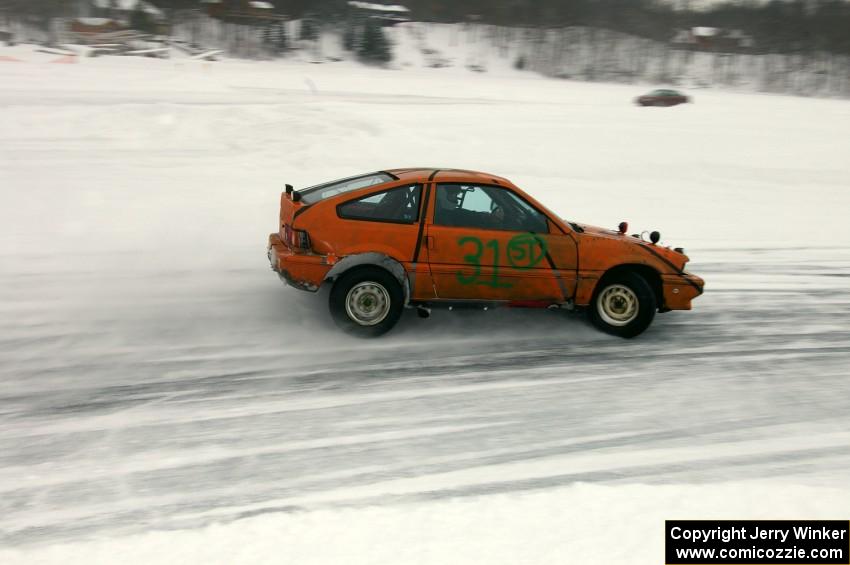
(617, 305)
(367, 303)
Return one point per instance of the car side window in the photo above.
(398, 205)
(486, 207)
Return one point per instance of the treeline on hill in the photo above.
(777, 26)
(793, 46)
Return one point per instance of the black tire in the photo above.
(610, 309)
(374, 308)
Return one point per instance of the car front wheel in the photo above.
(366, 302)
(623, 305)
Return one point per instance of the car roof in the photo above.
(439, 174)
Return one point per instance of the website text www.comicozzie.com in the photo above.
(758, 553)
(804, 542)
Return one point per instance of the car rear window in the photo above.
(314, 194)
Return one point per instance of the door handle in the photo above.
(429, 241)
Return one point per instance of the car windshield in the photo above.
(314, 194)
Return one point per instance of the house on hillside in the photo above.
(122, 10)
(92, 16)
(240, 11)
(387, 14)
(118, 10)
(94, 26)
(702, 38)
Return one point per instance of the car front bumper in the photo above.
(680, 289)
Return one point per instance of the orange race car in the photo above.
(423, 238)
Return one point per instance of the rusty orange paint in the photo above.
(561, 264)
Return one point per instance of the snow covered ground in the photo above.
(164, 399)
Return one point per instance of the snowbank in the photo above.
(580, 524)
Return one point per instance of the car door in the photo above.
(487, 243)
(387, 222)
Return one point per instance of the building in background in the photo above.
(387, 14)
(101, 16)
(240, 11)
(119, 10)
(702, 38)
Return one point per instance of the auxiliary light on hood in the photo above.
(653, 237)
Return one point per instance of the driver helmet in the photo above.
(449, 196)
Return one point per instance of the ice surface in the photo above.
(163, 397)
(577, 524)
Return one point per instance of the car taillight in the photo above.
(296, 239)
(303, 239)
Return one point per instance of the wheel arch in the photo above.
(371, 259)
(649, 274)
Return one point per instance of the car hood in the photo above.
(669, 256)
(596, 230)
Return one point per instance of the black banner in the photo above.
(757, 542)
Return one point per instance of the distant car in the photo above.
(662, 98)
(424, 238)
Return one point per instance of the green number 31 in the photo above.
(474, 259)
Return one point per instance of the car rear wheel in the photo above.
(366, 302)
(623, 305)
